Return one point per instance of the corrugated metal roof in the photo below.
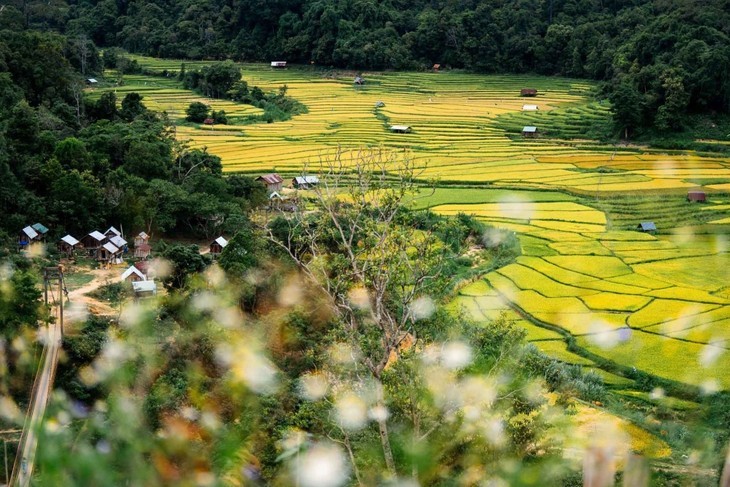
(144, 286)
(306, 180)
(221, 241)
(30, 232)
(529, 129)
(400, 128)
(271, 178)
(646, 226)
(70, 240)
(113, 230)
(118, 241)
(110, 247)
(92, 80)
(97, 236)
(529, 108)
(130, 271)
(40, 228)
(143, 235)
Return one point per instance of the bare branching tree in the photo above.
(375, 269)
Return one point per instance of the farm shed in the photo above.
(27, 235)
(67, 245)
(93, 240)
(379, 104)
(132, 274)
(208, 121)
(400, 129)
(530, 108)
(141, 238)
(529, 131)
(217, 246)
(144, 288)
(142, 251)
(696, 196)
(305, 182)
(41, 229)
(646, 227)
(91, 81)
(528, 92)
(273, 182)
(436, 67)
(359, 80)
(112, 231)
(109, 253)
(278, 64)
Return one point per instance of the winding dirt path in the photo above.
(81, 303)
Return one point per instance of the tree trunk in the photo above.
(384, 436)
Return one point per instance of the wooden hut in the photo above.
(273, 182)
(112, 232)
(144, 289)
(41, 229)
(528, 92)
(529, 131)
(217, 246)
(304, 182)
(67, 245)
(142, 251)
(132, 274)
(93, 241)
(141, 238)
(400, 129)
(109, 253)
(27, 236)
(648, 227)
(696, 197)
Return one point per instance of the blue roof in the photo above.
(40, 228)
(647, 226)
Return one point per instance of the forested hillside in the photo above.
(663, 58)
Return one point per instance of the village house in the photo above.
(529, 131)
(142, 251)
(528, 92)
(67, 245)
(41, 229)
(26, 237)
(696, 197)
(112, 231)
(304, 182)
(141, 238)
(273, 182)
(119, 242)
(132, 274)
(93, 241)
(109, 254)
(217, 246)
(400, 129)
(143, 289)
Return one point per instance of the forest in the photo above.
(661, 60)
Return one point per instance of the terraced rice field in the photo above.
(659, 303)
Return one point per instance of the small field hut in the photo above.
(143, 289)
(27, 236)
(648, 227)
(528, 92)
(379, 104)
(530, 108)
(67, 245)
(273, 182)
(529, 131)
(217, 246)
(141, 238)
(132, 274)
(400, 129)
(696, 197)
(305, 182)
(93, 241)
(41, 229)
(278, 64)
(436, 68)
(359, 80)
